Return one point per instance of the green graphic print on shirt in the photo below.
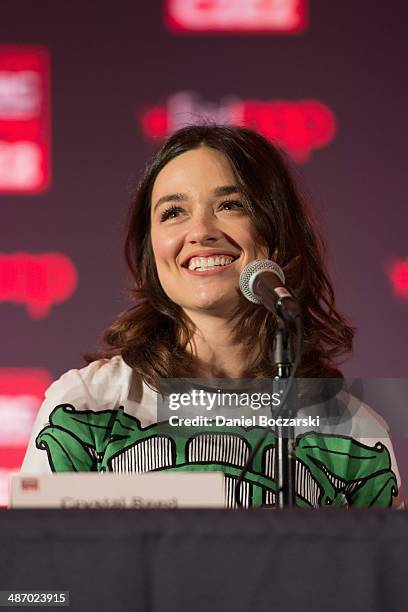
(330, 469)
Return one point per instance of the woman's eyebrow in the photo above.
(172, 197)
(182, 197)
(226, 190)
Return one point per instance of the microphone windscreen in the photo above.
(250, 272)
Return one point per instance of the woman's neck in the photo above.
(218, 354)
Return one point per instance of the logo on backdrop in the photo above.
(398, 276)
(21, 393)
(235, 16)
(38, 281)
(298, 127)
(25, 133)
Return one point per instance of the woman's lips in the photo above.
(211, 271)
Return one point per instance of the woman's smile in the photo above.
(200, 266)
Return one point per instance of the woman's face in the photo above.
(201, 235)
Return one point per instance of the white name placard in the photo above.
(107, 490)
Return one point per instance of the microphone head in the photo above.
(251, 271)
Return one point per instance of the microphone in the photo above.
(262, 282)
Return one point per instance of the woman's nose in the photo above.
(203, 227)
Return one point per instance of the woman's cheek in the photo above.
(166, 247)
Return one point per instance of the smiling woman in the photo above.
(212, 200)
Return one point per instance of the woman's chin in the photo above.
(216, 307)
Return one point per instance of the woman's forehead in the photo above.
(198, 169)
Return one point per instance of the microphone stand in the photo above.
(285, 458)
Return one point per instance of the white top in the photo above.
(103, 417)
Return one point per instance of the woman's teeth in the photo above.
(206, 263)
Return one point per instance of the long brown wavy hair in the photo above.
(153, 335)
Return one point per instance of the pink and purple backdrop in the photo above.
(87, 91)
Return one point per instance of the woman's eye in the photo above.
(170, 213)
(173, 211)
(231, 205)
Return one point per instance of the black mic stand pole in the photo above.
(285, 458)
